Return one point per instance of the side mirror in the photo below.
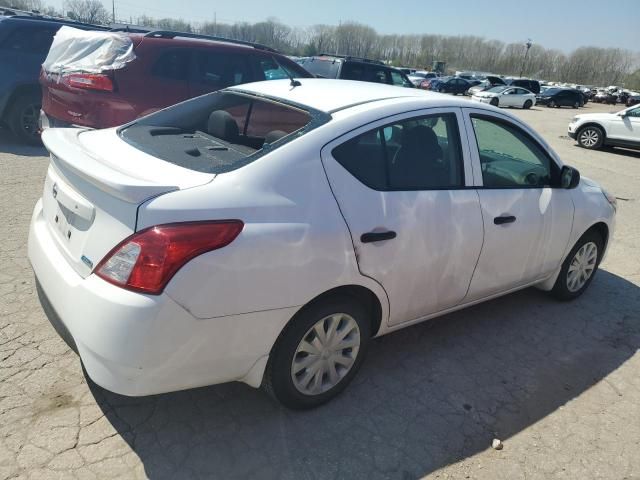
(569, 177)
(622, 114)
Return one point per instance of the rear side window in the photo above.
(221, 69)
(173, 65)
(353, 71)
(421, 153)
(376, 74)
(30, 40)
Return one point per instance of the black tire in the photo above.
(495, 102)
(278, 381)
(561, 290)
(590, 137)
(24, 116)
(552, 104)
(528, 104)
(576, 104)
(441, 90)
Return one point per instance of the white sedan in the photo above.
(265, 233)
(505, 96)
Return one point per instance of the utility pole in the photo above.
(526, 53)
(215, 23)
(113, 10)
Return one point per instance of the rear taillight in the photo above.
(146, 261)
(89, 81)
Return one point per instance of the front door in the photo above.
(527, 219)
(626, 128)
(400, 185)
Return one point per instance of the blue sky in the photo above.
(563, 24)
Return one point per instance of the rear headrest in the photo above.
(274, 136)
(222, 125)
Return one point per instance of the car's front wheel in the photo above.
(590, 137)
(318, 353)
(579, 267)
(528, 104)
(495, 102)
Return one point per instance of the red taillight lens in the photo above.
(89, 81)
(425, 84)
(146, 261)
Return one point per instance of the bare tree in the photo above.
(87, 11)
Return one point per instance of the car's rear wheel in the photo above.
(579, 267)
(23, 118)
(495, 102)
(590, 137)
(441, 90)
(576, 104)
(318, 353)
(552, 104)
(528, 104)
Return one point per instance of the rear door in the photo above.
(401, 186)
(527, 219)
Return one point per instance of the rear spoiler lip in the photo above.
(68, 154)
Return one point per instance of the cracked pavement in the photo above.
(558, 383)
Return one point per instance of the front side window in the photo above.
(269, 69)
(510, 158)
(422, 153)
(375, 74)
(221, 69)
(398, 79)
(634, 113)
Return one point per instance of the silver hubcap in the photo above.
(325, 354)
(589, 138)
(582, 266)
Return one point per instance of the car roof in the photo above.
(328, 95)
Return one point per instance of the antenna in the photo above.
(294, 83)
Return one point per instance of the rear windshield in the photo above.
(322, 68)
(219, 132)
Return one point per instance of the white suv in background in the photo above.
(595, 130)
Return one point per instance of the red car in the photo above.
(169, 67)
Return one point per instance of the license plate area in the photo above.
(63, 222)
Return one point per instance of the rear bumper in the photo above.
(47, 121)
(135, 344)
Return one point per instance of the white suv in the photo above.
(265, 233)
(595, 130)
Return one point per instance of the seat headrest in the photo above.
(222, 125)
(274, 136)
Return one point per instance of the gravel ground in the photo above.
(557, 382)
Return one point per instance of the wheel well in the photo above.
(593, 124)
(21, 90)
(363, 295)
(601, 229)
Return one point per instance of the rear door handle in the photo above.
(377, 236)
(504, 219)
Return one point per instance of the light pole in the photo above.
(526, 53)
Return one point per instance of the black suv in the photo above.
(532, 85)
(24, 44)
(355, 68)
(560, 97)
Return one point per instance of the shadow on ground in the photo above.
(427, 396)
(9, 144)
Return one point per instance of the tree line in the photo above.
(587, 65)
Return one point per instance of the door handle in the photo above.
(377, 236)
(504, 219)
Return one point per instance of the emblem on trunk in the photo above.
(54, 190)
(86, 261)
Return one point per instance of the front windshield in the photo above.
(552, 91)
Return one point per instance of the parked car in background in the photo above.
(169, 67)
(560, 97)
(633, 100)
(489, 82)
(418, 77)
(265, 234)
(24, 43)
(527, 83)
(506, 96)
(356, 68)
(595, 130)
(600, 96)
(454, 85)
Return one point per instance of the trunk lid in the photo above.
(94, 186)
